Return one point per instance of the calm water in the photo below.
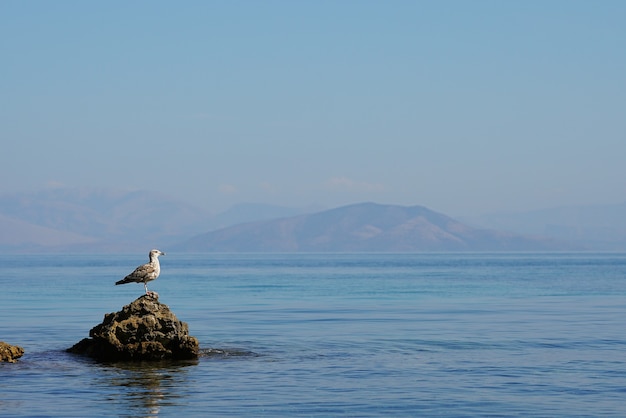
(328, 335)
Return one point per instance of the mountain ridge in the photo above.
(86, 219)
(601, 227)
(110, 220)
(362, 227)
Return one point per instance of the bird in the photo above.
(146, 272)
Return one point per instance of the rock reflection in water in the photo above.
(147, 387)
(142, 389)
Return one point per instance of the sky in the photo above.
(466, 107)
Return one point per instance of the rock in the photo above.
(143, 330)
(10, 353)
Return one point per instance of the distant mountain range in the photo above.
(597, 227)
(363, 227)
(101, 220)
(95, 220)
(252, 212)
(104, 220)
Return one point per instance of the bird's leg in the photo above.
(153, 295)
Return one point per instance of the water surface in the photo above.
(511, 334)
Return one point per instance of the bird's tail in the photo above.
(123, 281)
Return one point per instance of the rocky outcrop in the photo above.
(143, 330)
(10, 353)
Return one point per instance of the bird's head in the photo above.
(155, 253)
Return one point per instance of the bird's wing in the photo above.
(142, 273)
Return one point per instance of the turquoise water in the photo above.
(324, 335)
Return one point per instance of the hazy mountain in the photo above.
(95, 220)
(88, 220)
(252, 212)
(601, 227)
(362, 227)
(17, 235)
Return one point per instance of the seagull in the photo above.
(146, 272)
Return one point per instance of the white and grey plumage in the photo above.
(146, 272)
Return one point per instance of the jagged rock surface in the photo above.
(143, 330)
(10, 353)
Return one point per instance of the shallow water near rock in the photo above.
(328, 335)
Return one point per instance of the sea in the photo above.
(327, 335)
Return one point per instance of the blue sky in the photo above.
(465, 107)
